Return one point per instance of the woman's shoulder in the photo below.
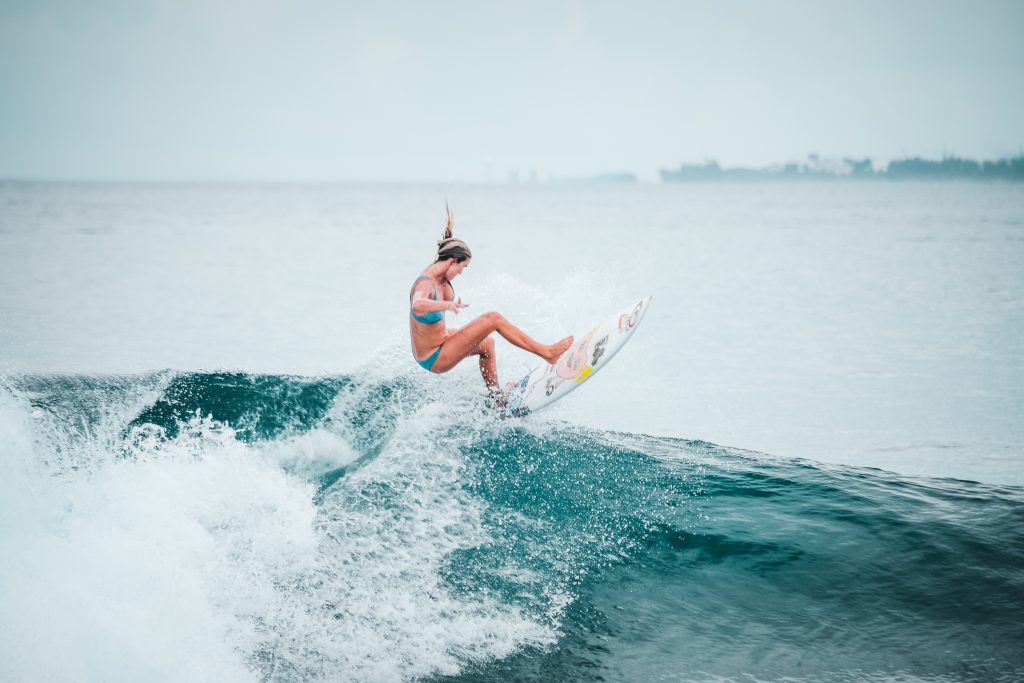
(424, 283)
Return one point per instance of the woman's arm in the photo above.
(422, 303)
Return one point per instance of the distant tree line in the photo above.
(947, 168)
(955, 167)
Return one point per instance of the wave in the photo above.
(184, 526)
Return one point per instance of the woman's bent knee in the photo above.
(493, 318)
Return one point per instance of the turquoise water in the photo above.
(220, 462)
(266, 527)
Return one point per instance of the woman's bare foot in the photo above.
(556, 350)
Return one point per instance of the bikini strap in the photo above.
(423, 277)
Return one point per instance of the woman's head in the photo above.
(450, 247)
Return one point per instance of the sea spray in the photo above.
(192, 537)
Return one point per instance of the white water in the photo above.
(137, 558)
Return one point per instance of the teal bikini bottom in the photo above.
(427, 362)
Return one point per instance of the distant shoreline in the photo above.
(815, 168)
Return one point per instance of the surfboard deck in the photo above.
(589, 353)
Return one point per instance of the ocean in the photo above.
(222, 464)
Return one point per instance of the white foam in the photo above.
(310, 454)
(111, 568)
(201, 558)
(389, 528)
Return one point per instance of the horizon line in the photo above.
(512, 174)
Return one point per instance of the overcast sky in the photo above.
(457, 91)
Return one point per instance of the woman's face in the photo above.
(455, 268)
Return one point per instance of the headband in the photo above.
(445, 244)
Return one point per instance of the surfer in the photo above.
(438, 350)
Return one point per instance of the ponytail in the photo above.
(450, 247)
(449, 221)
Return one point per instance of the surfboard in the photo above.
(589, 353)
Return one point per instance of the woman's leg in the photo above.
(488, 363)
(462, 343)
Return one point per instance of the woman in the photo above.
(438, 350)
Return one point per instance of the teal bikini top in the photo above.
(427, 318)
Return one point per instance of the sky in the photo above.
(309, 90)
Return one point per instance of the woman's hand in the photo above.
(456, 306)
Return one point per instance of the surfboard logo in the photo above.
(573, 364)
(599, 350)
(628, 323)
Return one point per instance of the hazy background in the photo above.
(467, 91)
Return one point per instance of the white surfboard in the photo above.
(589, 353)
